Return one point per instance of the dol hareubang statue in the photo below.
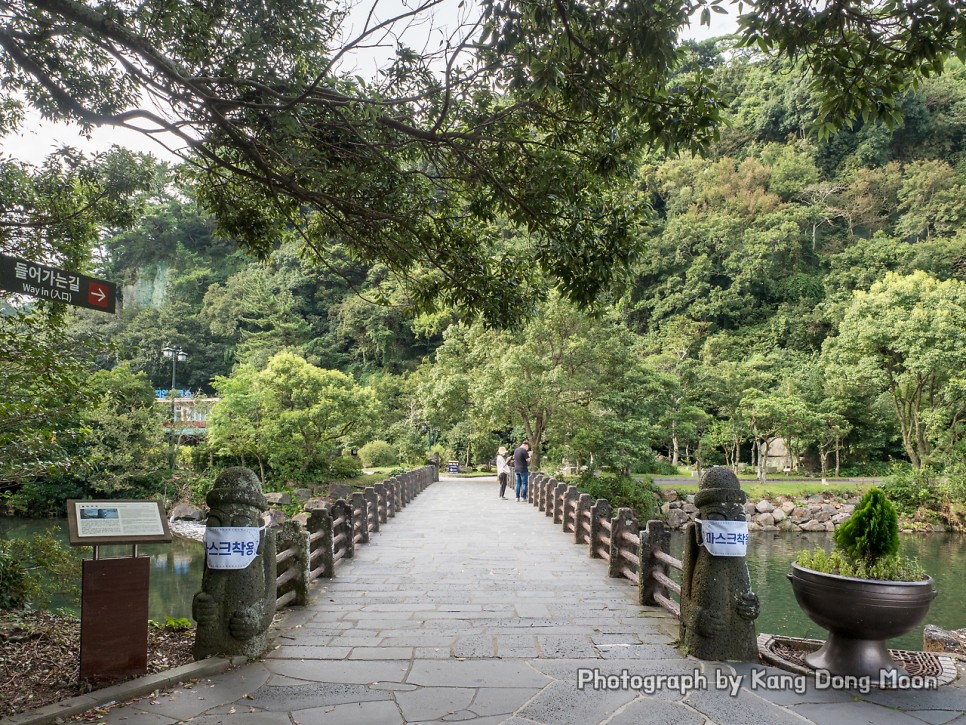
(718, 608)
(235, 605)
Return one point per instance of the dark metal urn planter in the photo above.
(860, 615)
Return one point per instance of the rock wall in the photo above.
(819, 512)
(150, 287)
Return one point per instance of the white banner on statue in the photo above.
(724, 538)
(231, 547)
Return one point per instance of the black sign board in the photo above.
(49, 283)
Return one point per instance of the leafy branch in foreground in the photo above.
(531, 112)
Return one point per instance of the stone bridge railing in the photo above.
(640, 555)
(312, 545)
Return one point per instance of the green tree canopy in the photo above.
(906, 338)
(124, 445)
(291, 415)
(531, 110)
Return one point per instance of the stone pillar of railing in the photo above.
(320, 556)
(541, 498)
(360, 516)
(558, 491)
(600, 510)
(584, 503)
(656, 537)
(623, 521)
(398, 494)
(343, 509)
(569, 507)
(382, 502)
(391, 504)
(292, 535)
(372, 507)
(550, 486)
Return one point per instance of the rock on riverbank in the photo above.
(818, 512)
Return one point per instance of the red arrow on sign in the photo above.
(97, 294)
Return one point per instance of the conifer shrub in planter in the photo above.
(863, 593)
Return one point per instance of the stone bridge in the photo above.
(469, 608)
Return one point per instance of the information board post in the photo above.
(114, 601)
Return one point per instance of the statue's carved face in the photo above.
(234, 514)
(720, 511)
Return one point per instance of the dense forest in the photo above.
(784, 286)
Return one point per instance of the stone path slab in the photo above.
(468, 608)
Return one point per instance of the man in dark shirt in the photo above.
(521, 461)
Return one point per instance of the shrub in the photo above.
(872, 531)
(655, 467)
(342, 467)
(867, 545)
(46, 496)
(912, 488)
(171, 624)
(23, 565)
(639, 496)
(888, 568)
(378, 454)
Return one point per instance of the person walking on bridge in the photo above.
(521, 463)
(502, 470)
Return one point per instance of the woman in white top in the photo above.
(502, 470)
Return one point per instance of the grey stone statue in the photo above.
(235, 607)
(718, 608)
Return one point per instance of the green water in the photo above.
(176, 575)
(943, 556)
(175, 568)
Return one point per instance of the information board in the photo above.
(93, 523)
(49, 283)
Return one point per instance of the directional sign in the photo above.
(49, 283)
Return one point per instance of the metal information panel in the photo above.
(58, 285)
(93, 523)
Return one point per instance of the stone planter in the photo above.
(860, 615)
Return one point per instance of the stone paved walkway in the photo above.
(466, 608)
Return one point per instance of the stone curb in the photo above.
(123, 691)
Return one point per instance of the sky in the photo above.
(39, 138)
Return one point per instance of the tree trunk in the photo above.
(823, 455)
(674, 454)
(905, 426)
(838, 447)
(261, 469)
(763, 461)
(535, 435)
